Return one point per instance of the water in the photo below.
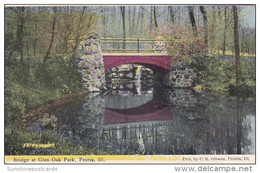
(145, 121)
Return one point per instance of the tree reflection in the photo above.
(185, 123)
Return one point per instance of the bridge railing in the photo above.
(132, 45)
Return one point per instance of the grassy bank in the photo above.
(16, 137)
(218, 77)
(27, 86)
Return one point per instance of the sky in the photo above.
(248, 13)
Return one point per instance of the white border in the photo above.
(118, 168)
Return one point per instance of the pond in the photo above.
(154, 120)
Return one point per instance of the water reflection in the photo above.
(161, 122)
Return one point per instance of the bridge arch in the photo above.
(154, 62)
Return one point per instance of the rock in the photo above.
(49, 121)
(129, 86)
(114, 69)
(186, 76)
(93, 89)
(125, 67)
(198, 88)
(181, 76)
(129, 75)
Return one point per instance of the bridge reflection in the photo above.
(156, 124)
(150, 111)
(134, 128)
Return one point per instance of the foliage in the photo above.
(220, 78)
(28, 86)
(217, 26)
(37, 31)
(214, 75)
(181, 43)
(30, 82)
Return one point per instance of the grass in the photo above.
(230, 53)
(15, 138)
(27, 87)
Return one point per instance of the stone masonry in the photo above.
(91, 64)
(181, 75)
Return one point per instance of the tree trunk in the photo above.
(35, 39)
(104, 22)
(129, 21)
(193, 22)
(142, 20)
(205, 23)
(236, 43)
(137, 22)
(122, 8)
(21, 36)
(51, 42)
(133, 21)
(198, 17)
(155, 18)
(20, 33)
(219, 12)
(171, 13)
(182, 14)
(151, 18)
(225, 32)
(52, 37)
(214, 12)
(113, 19)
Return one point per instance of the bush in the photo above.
(181, 42)
(214, 75)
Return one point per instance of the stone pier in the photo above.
(91, 64)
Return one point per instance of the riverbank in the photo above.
(31, 90)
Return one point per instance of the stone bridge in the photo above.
(147, 52)
(99, 56)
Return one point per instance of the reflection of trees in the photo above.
(82, 123)
(218, 129)
(228, 134)
(198, 126)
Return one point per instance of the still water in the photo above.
(153, 120)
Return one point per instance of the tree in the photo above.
(236, 44)
(35, 39)
(19, 43)
(104, 17)
(225, 32)
(193, 22)
(122, 9)
(142, 20)
(151, 18)
(129, 20)
(52, 36)
(83, 26)
(171, 13)
(205, 23)
(155, 18)
(133, 20)
(137, 23)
